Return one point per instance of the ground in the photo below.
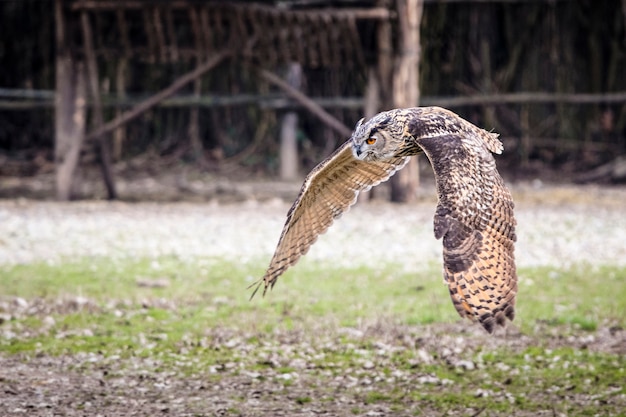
(141, 309)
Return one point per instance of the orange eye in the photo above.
(371, 141)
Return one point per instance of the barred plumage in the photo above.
(474, 214)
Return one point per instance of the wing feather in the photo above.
(475, 218)
(328, 192)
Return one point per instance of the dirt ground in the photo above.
(96, 385)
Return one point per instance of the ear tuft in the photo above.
(359, 123)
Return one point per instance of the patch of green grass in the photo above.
(202, 322)
(210, 293)
(220, 288)
(106, 278)
(215, 291)
(374, 397)
(581, 296)
(303, 400)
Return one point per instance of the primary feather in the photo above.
(474, 214)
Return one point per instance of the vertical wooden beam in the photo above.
(121, 77)
(160, 35)
(119, 134)
(372, 95)
(171, 33)
(370, 108)
(525, 141)
(70, 109)
(288, 130)
(197, 147)
(98, 118)
(384, 41)
(406, 90)
(206, 31)
(149, 28)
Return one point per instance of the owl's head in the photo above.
(377, 139)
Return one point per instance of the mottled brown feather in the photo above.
(474, 214)
(474, 217)
(328, 191)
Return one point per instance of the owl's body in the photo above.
(474, 214)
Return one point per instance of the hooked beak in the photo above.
(356, 151)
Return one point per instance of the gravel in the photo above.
(556, 226)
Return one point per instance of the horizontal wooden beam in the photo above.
(303, 6)
(25, 93)
(564, 143)
(127, 4)
(525, 97)
(18, 99)
(348, 12)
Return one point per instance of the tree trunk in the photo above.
(288, 131)
(406, 88)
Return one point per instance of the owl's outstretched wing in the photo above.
(474, 216)
(328, 191)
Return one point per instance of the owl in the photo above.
(474, 213)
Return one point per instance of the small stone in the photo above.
(424, 356)
(48, 321)
(428, 379)
(153, 282)
(466, 365)
(20, 302)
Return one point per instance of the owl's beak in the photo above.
(356, 150)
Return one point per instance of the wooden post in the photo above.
(371, 106)
(372, 95)
(119, 134)
(197, 147)
(289, 129)
(121, 77)
(406, 87)
(98, 118)
(384, 42)
(70, 109)
(525, 141)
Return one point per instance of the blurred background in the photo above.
(113, 99)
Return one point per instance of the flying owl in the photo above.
(474, 214)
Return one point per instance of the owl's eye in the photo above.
(370, 140)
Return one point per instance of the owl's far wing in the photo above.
(328, 191)
(474, 217)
